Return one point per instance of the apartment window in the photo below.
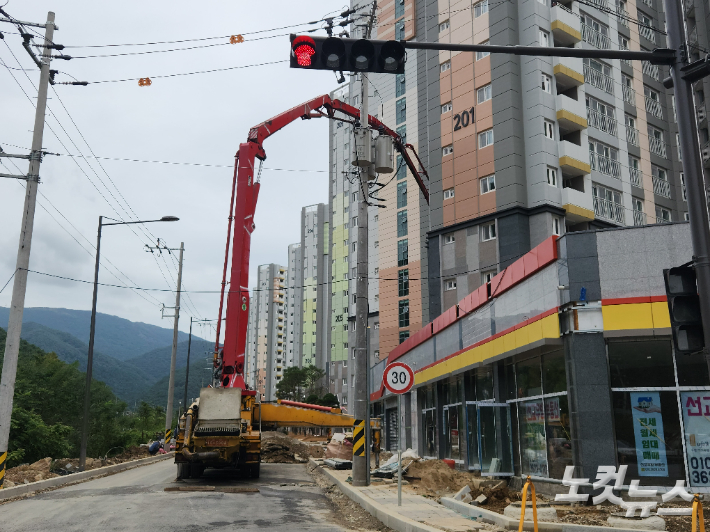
(544, 39)
(556, 226)
(401, 194)
(481, 55)
(401, 168)
(448, 193)
(354, 221)
(445, 66)
(686, 217)
(403, 335)
(547, 83)
(354, 196)
(401, 110)
(377, 243)
(402, 252)
(607, 203)
(682, 184)
(552, 177)
(447, 150)
(401, 85)
(485, 139)
(484, 94)
(594, 32)
(398, 8)
(402, 223)
(488, 231)
(450, 284)
(446, 108)
(444, 26)
(488, 183)
(662, 215)
(450, 238)
(487, 276)
(354, 299)
(404, 313)
(345, 381)
(646, 32)
(403, 282)
(549, 129)
(604, 159)
(480, 8)
(354, 247)
(399, 30)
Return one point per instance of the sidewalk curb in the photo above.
(380, 511)
(24, 489)
(512, 524)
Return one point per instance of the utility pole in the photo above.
(692, 166)
(171, 385)
(19, 288)
(361, 409)
(187, 368)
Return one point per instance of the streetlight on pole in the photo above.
(90, 360)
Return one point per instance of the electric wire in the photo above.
(8, 281)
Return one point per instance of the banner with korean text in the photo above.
(696, 420)
(648, 432)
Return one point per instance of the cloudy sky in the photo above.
(198, 118)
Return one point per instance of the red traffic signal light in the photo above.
(355, 55)
(303, 48)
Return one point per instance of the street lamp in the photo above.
(90, 361)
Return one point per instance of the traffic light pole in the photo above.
(360, 463)
(692, 167)
(19, 288)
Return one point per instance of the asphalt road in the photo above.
(136, 500)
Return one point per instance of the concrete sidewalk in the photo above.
(417, 513)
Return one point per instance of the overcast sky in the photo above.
(186, 119)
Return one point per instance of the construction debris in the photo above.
(278, 448)
(338, 463)
(466, 490)
(481, 499)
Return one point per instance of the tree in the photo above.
(311, 378)
(291, 384)
(330, 400)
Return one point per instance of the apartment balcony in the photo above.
(693, 36)
(605, 165)
(601, 4)
(632, 135)
(657, 146)
(623, 15)
(608, 210)
(636, 177)
(650, 70)
(602, 122)
(622, 46)
(578, 205)
(649, 3)
(629, 94)
(570, 113)
(654, 107)
(599, 80)
(639, 218)
(647, 33)
(574, 159)
(568, 71)
(565, 25)
(596, 39)
(661, 187)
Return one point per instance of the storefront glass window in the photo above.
(472, 433)
(429, 426)
(510, 381)
(454, 431)
(528, 378)
(692, 370)
(554, 376)
(484, 384)
(646, 363)
(559, 442)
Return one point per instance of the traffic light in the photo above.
(354, 55)
(684, 309)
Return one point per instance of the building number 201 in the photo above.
(463, 119)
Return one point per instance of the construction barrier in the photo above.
(534, 506)
(359, 437)
(698, 514)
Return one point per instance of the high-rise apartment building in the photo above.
(294, 304)
(266, 348)
(315, 266)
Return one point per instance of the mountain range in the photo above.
(132, 374)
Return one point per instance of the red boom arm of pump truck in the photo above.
(229, 359)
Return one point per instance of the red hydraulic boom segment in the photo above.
(229, 360)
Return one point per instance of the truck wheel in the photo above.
(196, 470)
(183, 471)
(254, 470)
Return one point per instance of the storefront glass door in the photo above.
(453, 431)
(489, 438)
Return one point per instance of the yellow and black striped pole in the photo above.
(359, 437)
(3, 461)
(168, 437)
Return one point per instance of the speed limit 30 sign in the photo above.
(398, 378)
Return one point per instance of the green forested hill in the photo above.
(125, 380)
(116, 337)
(156, 363)
(48, 405)
(200, 374)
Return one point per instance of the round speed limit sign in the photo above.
(398, 377)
